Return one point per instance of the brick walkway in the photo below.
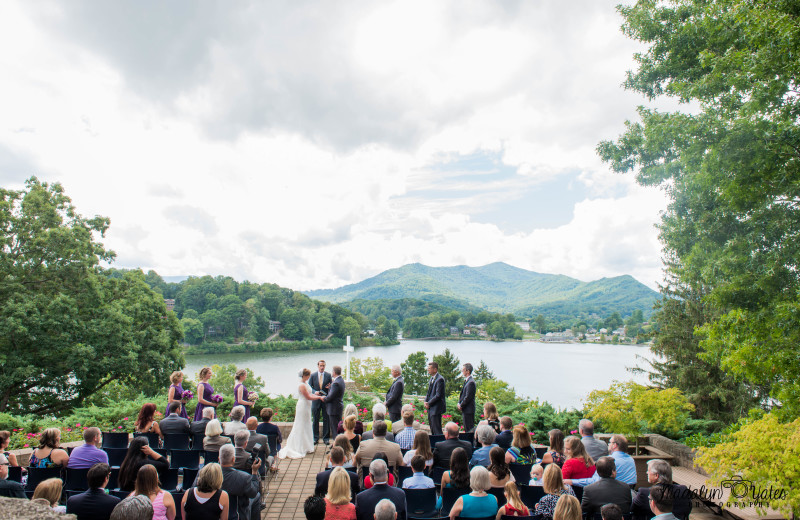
(294, 483)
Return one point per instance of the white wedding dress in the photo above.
(301, 438)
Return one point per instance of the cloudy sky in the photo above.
(314, 144)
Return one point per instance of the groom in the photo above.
(320, 383)
(334, 401)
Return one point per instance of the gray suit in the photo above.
(606, 491)
(174, 423)
(394, 399)
(243, 490)
(594, 447)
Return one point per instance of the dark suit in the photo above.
(334, 404)
(443, 450)
(174, 423)
(317, 407)
(367, 500)
(322, 484)
(9, 488)
(436, 403)
(92, 505)
(199, 426)
(241, 488)
(504, 439)
(467, 403)
(394, 399)
(681, 507)
(606, 491)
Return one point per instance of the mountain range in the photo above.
(500, 287)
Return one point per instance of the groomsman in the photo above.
(434, 400)
(334, 401)
(466, 401)
(394, 397)
(320, 382)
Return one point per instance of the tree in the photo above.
(450, 368)
(730, 169)
(192, 330)
(370, 374)
(482, 373)
(323, 322)
(415, 373)
(350, 327)
(541, 322)
(66, 329)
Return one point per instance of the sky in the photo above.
(315, 144)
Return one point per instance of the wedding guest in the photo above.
(443, 449)
(386, 510)
(397, 426)
(336, 460)
(48, 454)
(50, 490)
(198, 427)
(606, 490)
(337, 499)
(553, 485)
(235, 424)
(477, 504)
(267, 428)
(594, 447)
(241, 454)
(555, 454)
(660, 472)
(514, 505)
(368, 499)
(147, 486)
(378, 414)
(368, 482)
(579, 464)
(243, 488)
(133, 508)
(568, 508)
(88, 454)
(204, 393)
(351, 409)
(537, 473)
(418, 480)
(314, 508)
(214, 439)
(350, 431)
(485, 435)
(94, 504)
(406, 437)
(368, 448)
(349, 454)
(611, 512)
(174, 423)
(207, 499)
(505, 437)
(240, 394)
(253, 438)
(175, 394)
(145, 422)
(5, 440)
(9, 488)
(139, 454)
(521, 451)
(457, 476)
(499, 472)
(490, 417)
(422, 446)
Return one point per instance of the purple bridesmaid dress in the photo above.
(208, 391)
(244, 395)
(178, 394)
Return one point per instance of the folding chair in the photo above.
(115, 456)
(499, 494)
(15, 473)
(521, 472)
(176, 441)
(530, 495)
(37, 475)
(189, 476)
(421, 503)
(449, 497)
(170, 480)
(76, 479)
(115, 440)
(210, 456)
(184, 459)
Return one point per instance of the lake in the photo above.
(560, 373)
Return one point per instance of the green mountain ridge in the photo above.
(499, 287)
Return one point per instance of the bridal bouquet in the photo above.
(187, 396)
(216, 398)
(252, 397)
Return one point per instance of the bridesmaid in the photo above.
(176, 393)
(204, 393)
(240, 393)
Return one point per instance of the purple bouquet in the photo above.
(216, 398)
(187, 395)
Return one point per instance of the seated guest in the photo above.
(9, 488)
(314, 508)
(257, 438)
(241, 455)
(368, 499)
(139, 454)
(660, 472)
(611, 512)
(499, 472)
(537, 472)
(514, 505)
(243, 488)
(406, 436)
(174, 423)
(567, 508)
(626, 467)
(458, 474)
(505, 437)
(418, 480)
(368, 448)
(607, 490)
(337, 499)
(379, 456)
(235, 424)
(421, 446)
(267, 428)
(199, 427)
(214, 439)
(520, 451)
(385, 510)
(443, 449)
(594, 447)
(349, 455)
(48, 454)
(135, 507)
(94, 504)
(50, 490)
(485, 435)
(661, 502)
(351, 409)
(553, 484)
(555, 454)
(88, 454)
(337, 460)
(579, 464)
(398, 426)
(207, 499)
(146, 423)
(477, 504)
(350, 431)
(147, 486)
(378, 414)
(490, 417)
(5, 440)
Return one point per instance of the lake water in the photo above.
(562, 374)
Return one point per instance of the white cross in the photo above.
(347, 348)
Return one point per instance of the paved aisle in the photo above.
(294, 483)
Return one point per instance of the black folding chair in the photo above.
(177, 496)
(113, 479)
(170, 479)
(449, 497)
(176, 441)
(421, 503)
(115, 456)
(498, 492)
(197, 441)
(184, 459)
(469, 437)
(521, 472)
(436, 473)
(533, 517)
(272, 442)
(540, 451)
(189, 476)
(578, 490)
(210, 456)
(37, 475)
(436, 438)
(152, 438)
(15, 473)
(403, 472)
(115, 440)
(530, 495)
(76, 479)
(119, 494)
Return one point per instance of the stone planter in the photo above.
(646, 453)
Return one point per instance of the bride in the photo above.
(301, 438)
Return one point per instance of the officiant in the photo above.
(320, 382)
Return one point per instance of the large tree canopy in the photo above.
(730, 165)
(66, 328)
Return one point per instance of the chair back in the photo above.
(534, 517)
(115, 440)
(578, 490)
(176, 441)
(403, 472)
(170, 480)
(152, 438)
(472, 518)
(530, 495)
(113, 479)
(469, 437)
(449, 497)
(540, 451)
(36, 475)
(521, 472)
(272, 442)
(76, 479)
(115, 456)
(177, 496)
(499, 494)
(210, 456)
(436, 473)
(189, 476)
(420, 502)
(15, 473)
(435, 439)
(197, 441)
(184, 459)
(122, 495)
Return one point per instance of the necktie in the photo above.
(320, 380)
